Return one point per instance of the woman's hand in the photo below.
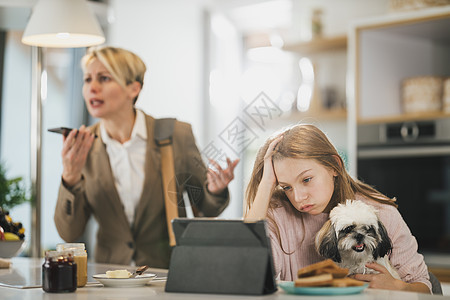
(75, 149)
(218, 180)
(269, 176)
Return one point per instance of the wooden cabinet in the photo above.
(390, 49)
(382, 52)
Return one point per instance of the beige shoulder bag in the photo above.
(163, 138)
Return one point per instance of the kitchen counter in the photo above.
(25, 275)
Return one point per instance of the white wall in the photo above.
(167, 35)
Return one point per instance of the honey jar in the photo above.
(80, 258)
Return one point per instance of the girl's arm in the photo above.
(260, 204)
(384, 280)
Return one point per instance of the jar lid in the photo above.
(77, 248)
(71, 246)
(58, 255)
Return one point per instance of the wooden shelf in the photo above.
(405, 118)
(318, 45)
(323, 114)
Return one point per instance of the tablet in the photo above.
(219, 232)
(221, 257)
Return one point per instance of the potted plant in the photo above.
(12, 193)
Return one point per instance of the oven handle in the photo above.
(416, 151)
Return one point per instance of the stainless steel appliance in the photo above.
(411, 161)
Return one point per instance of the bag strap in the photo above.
(163, 138)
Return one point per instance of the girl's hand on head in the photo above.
(260, 203)
(219, 179)
(75, 149)
(269, 173)
(383, 280)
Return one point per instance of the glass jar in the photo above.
(80, 257)
(59, 272)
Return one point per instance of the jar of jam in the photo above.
(80, 258)
(59, 272)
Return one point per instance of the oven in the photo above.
(411, 161)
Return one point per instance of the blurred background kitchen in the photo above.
(373, 74)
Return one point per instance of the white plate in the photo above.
(139, 280)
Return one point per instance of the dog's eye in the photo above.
(371, 230)
(348, 229)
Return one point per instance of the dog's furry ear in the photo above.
(326, 242)
(385, 244)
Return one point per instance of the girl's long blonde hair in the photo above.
(304, 141)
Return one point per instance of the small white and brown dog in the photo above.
(354, 236)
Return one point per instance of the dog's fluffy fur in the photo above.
(354, 236)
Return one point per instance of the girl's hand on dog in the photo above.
(383, 280)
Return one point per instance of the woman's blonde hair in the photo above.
(304, 141)
(125, 66)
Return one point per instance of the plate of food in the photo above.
(123, 278)
(290, 288)
(323, 278)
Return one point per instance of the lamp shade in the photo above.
(62, 24)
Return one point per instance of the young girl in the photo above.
(298, 177)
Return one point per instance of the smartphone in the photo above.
(62, 130)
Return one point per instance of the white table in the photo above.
(27, 271)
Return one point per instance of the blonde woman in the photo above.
(298, 177)
(116, 177)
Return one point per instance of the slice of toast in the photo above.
(317, 280)
(347, 281)
(337, 273)
(325, 273)
(311, 269)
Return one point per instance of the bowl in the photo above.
(10, 249)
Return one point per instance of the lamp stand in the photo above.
(35, 143)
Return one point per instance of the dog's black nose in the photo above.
(359, 237)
